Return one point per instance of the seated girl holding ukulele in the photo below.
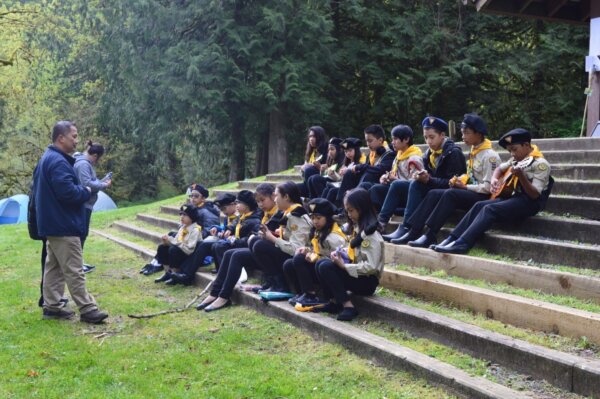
(353, 156)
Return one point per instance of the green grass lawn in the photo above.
(236, 353)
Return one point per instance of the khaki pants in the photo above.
(64, 264)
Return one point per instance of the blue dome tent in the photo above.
(104, 202)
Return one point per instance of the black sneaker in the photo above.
(88, 268)
(146, 267)
(309, 302)
(293, 300)
(152, 270)
(329, 307)
(348, 314)
(61, 314)
(93, 317)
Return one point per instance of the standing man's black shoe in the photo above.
(93, 317)
(61, 314)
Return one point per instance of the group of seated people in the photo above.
(294, 233)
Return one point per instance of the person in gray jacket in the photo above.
(84, 168)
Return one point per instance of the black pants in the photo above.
(44, 254)
(377, 192)
(316, 185)
(231, 269)
(269, 258)
(306, 175)
(438, 205)
(219, 248)
(170, 255)
(196, 259)
(330, 193)
(485, 213)
(300, 273)
(336, 282)
(88, 219)
(350, 180)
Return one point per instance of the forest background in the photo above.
(221, 90)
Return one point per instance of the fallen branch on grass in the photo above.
(176, 310)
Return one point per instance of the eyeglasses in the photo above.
(194, 195)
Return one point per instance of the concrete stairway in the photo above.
(552, 262)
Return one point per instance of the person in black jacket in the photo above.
(365, 175)
(208, 213)
(443, 160)
(246, 225)
(314, 157)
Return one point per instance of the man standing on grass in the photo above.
(60, 214)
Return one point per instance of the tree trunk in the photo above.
(261, 164)
(238, 150)
(278, 152)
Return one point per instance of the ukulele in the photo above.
(505, 189)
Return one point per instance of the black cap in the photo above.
(200, 188)
(189, 210)
(474, 122)
(335, 142)
(321, 206)
(402, 132)
(515, 136)
(433, 122)
(247, 197)
(351, 142)
(225, 199)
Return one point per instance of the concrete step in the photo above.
(169, 224)
(508, 308)
(551, 227)
(497, 272)
(145, 253)
(376, 348)
(584, 171)
(585, 207)
(138, 232)
(251, 185)
(540, 250)
(215, 193)
(284, 177)
(566, 371)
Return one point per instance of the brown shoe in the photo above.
(61, 314)
(93, 317)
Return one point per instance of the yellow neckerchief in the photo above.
(313, 155)
(350, 250)
(238, 226)
(231, 219)
(403, 155)
(373, 154)
(433, 156)
(485, 145)
(268, 215)
(335, 229)
(514, 180)
(287, 212)
(182, 233)
(201, 203)
(363, 158)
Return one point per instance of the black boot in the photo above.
(424, 241)
(447, 241)
(409, 236)
(400, 231)
(164, 277)
(181, 278)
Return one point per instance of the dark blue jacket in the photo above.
(59, 198)
(451, 163)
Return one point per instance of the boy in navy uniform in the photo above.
(525, 186)
(443, 160)
(409, 159)
(464, 191)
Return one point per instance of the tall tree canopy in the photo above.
(219, 90)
